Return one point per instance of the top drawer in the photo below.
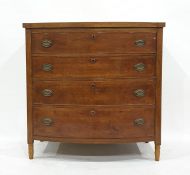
(93, 41)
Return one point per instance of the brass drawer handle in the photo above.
(139, 67)
(140, 43)
(139, 93)
(46, 43)
(47, 67)
(93, 60)
(47, 121)
(47, 92)
(92, 113)
(139, 122)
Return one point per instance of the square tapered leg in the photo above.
(30, 151)
(157, 152)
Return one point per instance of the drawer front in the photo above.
(94, 41)
(93, 122)
(107, 92)
(84, 67)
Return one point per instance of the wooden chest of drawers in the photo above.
(94, 82)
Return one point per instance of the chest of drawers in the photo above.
(94, 82)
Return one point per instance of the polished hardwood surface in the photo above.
(93, 41)
(93, 122)
(58, 67)
(94, 82)
(94, 24)
(104, 92)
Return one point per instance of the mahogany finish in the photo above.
(104, 92)
(94, 82)
(93, 41)
(93, 25)
(94, 122)
(93, 66)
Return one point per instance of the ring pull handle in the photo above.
(47, 92)
(139, 93)
(47, 121)
(46, 43)
(140, 43)
(139, 122)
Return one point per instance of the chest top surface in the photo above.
(94, 24)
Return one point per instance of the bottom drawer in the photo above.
(94, 122)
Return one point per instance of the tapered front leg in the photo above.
(157, 152)
(30, 151)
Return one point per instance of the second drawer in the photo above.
(102, 66)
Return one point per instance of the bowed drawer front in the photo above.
(94, 66)
(107, 92)
(94, 122)
(93, 41)
(94, 82)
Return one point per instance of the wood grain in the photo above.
(158, 87)
(31, 151)
(157, 152)
(93, 24)
(94, 66)
(94, 141)
(105, 92)
(29, 87)
(104, 122)
(94, 41)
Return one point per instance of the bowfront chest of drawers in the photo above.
(94, 82)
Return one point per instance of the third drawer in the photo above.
(99, 92)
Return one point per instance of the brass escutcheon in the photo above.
(139, 93)
(93, 60)
(140, 43)
(47, 67)
(46, 43)
(92, 113)
(47, 121)
(139, 67)
(139, 122)
(47, 92)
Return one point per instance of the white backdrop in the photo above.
(176, 58)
